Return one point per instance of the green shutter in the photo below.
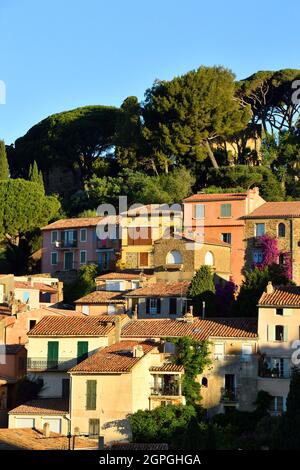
(91, 394)
(82, 350)
(285, 333)
(52, 356)
(271, 332)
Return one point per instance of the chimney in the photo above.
(46, 430)
(270, 288)
(30, 281)
(138, 351)
(189, 317)
(135, 313)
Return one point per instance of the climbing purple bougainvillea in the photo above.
(272, 255)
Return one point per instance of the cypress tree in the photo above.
(35, 175)
(4, 168)
(202, 289)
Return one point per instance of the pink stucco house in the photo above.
(69, 244)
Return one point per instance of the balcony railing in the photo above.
(41, 363)
(229, 395)
(64, 244)
(167, 390)
(274, 374)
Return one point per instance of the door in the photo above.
(54, 424)
(103, 260)
(52, 357)
(144, 259)
(24, 423)
(82, 350)
(230, 382)
(69, 260)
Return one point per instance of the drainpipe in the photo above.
(292, 244)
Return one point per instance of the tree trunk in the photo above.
(211, 155)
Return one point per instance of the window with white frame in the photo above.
(259, 229)
(54, 236)
(246, 352)
(82, 256)
(54, 258)
(152, 306)
(199, 211)
(83, 234)
(85, 309)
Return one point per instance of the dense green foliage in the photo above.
(83, 285)
(202, 289)
(4, 170)
(35, 175)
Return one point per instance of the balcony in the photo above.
(171, 390)
(229, 395)
(43, 364)
(66, 244)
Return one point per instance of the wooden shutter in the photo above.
(52, 353)
(91, 394)
(82, 350)
(144, 259)
(271, 332)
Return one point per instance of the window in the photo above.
(65, 388)
(246, 352)
(91, 394)
(279, 311)
(259, 230)
(85, 309)
(82, 350)
(54, 258)
(83, 234)
(258, 256)
(152, 306)
(199, 211)
(25, 297)
(94, 427)
(209, 259)
(279, 330)
(82, 257)
(134, 285)
(225, 210)
(174, 257)
(169, 348)
(144, 259)
(32, 323)
(114, 285)
(70, 238)
(204, 382)
(281, 230)
(54, 236)
(172, 306)
(226, 237)
(277, 406)
(52, 354)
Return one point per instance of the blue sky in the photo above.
(59, 54)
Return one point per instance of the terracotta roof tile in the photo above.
(74, 326)
(167, 368)
(276, 210)
(161, 289)
(282, 296)
(117, 358)
(36, 285)
(101, 297)
(139, 446)
(152, 209)
(202, 197)
(199, 329)
(49, 406)
(73, 223)
(122, 276)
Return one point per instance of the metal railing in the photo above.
(229, 395)
(42, 363)
(167, 390)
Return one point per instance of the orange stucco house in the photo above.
(221, 216)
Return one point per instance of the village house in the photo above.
(221, 216)
(119, 380)
(278, 330)
(69, 244)
(230, 382)
(159, 300)
(122, 281)
(101, 302)
(280, 220)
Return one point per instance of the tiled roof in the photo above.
(161, 289)
(152, 209)
(117, 358)
(276, 210)
(139, 446)
(74, 223)
(167, 368)
(202, 197)
(36, 285)
(199, 329)
(74, 326)
(11, 349)
(282, 296)
(32, 439)
(101, 297)
(122, 276)
(49, 406)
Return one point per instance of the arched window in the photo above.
(204, 382)
(209, 258)
(174, 257)
(281, 230)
